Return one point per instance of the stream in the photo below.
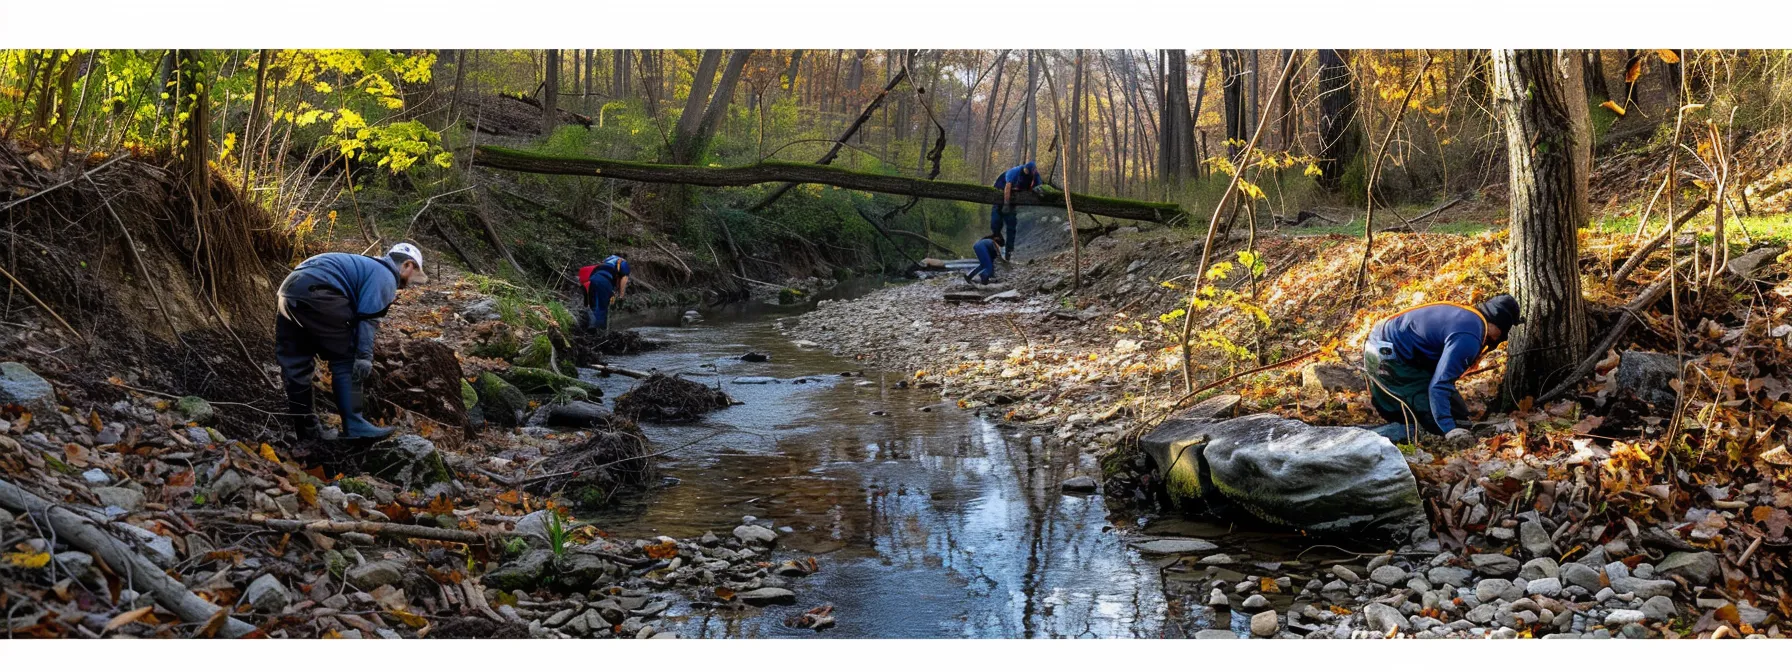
(927, 521)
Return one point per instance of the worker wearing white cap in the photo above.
(330, 306)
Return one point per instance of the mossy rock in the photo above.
(500, 403)
(195, 409)
(468, 396)
(355, 486)
(408, 459)
(543, 381)
(524, 573)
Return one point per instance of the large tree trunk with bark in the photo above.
(684, 134)
(1572, 66)
(1543, 252)
(1177, 144)
(1340, 134)
(504, 158)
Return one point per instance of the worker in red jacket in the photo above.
(604, 283)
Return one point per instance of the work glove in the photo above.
(1460, 438)
(363, 369)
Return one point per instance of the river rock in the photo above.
(523, 573)
(22, 386)
(765, 596)
(1325, 377)
(266, 594)
(755, 357)
(754, 534)
(1264, 624)
(1660, 609)
(1649, 376)
(481, 310)
(408, 459)
(1698, 568)
(1540, 568)
(1079, 484)
(371, 575)
(1449, 576)
(1216, 634)
(755, 380)
(571, 414)
(1388, 575)
(1175, 546)
(1644, 588)
(1576, 574)
(1384, 619)
(1623, 617)
(1320, 479)
(123, 498)
(1547, 587)
(1535, 539)
(1494, 564)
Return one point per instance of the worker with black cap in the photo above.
(1414, 358)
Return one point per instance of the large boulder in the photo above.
(408, 459)
(1318, 479)
(21, 386)
(1649, 376)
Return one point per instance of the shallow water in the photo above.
(927, 521)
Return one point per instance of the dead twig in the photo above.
(40, 303)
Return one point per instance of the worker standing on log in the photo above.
(330, 307)
(1001, 215)
(987, 248)
(1414, 358)
(604, 284)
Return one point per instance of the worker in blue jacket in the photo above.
(1414, 358)
(604, 283)
(987, 249)
(330, 306)
(1022, 177)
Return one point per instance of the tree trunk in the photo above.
(1285, 108)
(1597, 85)
(1232, 70)
(990, 119)
(796, 61)
(1572, 69)
(550, 91)
(834, 151)
(1023, 142)
(684, 135)
(1543, 250)
(503, 158)
(718, 103)
(1177, 125)
(1340, 135)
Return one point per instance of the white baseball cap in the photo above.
(411, 252)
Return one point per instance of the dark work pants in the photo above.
(998, 221)
(318, 324)
(597, 303)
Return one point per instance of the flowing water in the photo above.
(926, 520)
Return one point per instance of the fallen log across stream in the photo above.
(504, 158)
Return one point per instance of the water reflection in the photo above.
(927, 521)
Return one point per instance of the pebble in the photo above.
(1216, 634)
(266, 594)
(1218, 599)
(1345, 574)
(1577, 574)
(1660, 609)
(1175, 546)
(1264, 624)
(1388, 575)
(1622, 617)
(1549, 587)
(1494, 564)
(1489, 590)
(1450, 576)
(1644, 588)
(1255, 603)
(1383, 618)
(1540, 568)
(1535, 539)
(1079, 484)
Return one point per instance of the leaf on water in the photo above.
(127, 617)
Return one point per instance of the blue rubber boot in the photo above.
(348, 403)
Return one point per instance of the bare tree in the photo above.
(1340, 133)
